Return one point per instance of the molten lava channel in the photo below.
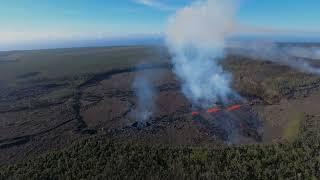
(216, 110)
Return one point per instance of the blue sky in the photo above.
(29, 21)
(281, 14)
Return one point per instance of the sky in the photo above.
(24, 23)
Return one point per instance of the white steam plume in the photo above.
(296, 57)
(304, 52)
(145, 93)
(196, 38)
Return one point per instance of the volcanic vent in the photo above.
(229, 121)
(110, 107)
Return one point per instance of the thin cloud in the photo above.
(155, 4)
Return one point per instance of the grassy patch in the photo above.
(292, 130)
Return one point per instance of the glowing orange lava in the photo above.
(234, 107)
(216, 110)
(213, 110)
(195, 113)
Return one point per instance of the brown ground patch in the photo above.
(277, 117)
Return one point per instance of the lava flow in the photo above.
(194, 113)
(213, 110)
(234, 107)
(216, 110)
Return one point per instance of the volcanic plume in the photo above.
(145, 94)
(195, 37)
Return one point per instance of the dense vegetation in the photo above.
(102, 158)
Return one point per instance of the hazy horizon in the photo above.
(141, 40)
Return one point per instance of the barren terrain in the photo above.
(43, 110)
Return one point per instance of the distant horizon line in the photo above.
(151, 40)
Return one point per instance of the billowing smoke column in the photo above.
(196, 39)
(145, 94)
